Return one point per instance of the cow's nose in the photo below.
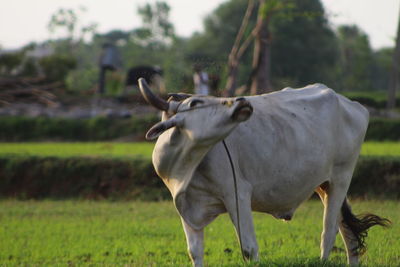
(240, 99)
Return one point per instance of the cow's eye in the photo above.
(228, 103)
(195, 102)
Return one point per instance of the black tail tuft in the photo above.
(359, 225)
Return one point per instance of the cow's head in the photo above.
(202, 119)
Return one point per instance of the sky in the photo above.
(24, 21)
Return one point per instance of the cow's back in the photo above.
(295, 120)
(291, 143)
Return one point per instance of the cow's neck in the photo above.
(177, 165)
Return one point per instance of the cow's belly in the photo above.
(280, 202)
(281, 181)
(281, 195)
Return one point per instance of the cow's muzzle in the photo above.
(242, 111)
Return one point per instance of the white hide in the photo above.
(295, 140)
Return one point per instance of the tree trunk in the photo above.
(231, 83)
(394, 74)
(236, 53)
(261, 80)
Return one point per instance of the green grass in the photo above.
(381, 149)
(106, 149)
(68, 233)
(144, 149)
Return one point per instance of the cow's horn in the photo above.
(151, 98)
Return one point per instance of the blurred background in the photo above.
(69, 70)
(72, 120)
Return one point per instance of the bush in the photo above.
(114, 83)
(376, 176)
(82, 80)
(383, 130)
(371, 99)
(9, 62)
(14, 129)
(31, 177)
(29, 68)
(27, 177)
(56, 67)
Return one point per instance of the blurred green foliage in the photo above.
(115, 82)
(82, 80)
(374, 99)
(14, 129)
(9, 62)
(39, 177)
(305, 49)
(34, 177)
(383, 130)
(56, 67)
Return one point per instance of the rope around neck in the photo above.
(234, 177)
(236, 196)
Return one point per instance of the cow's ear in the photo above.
(161, 127)
(156, 131)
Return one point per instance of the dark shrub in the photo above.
(95, 129)
(383, 130)
(56, 67)
(30, 177)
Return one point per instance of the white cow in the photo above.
(280, 148)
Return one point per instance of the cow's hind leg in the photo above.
(337, 213)
(354, 230)
(332, 195)
(195, 243)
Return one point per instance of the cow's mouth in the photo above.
(242, 111)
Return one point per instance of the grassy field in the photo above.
(381, 149)
(70, 233)
(100, 149)
(143, 149)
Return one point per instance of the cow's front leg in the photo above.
(243, 220)
(195, 243)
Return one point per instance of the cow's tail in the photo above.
(359, 225)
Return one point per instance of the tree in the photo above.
(355, 67)
(260, 77)
(237, 51)
(382, 68)
(261, 67)
(63, 18)
(212, 47)
(157, 28)
(68, 19)
(394, 74)
(303, 46)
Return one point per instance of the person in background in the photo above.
(109, 61)
(200, 79)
